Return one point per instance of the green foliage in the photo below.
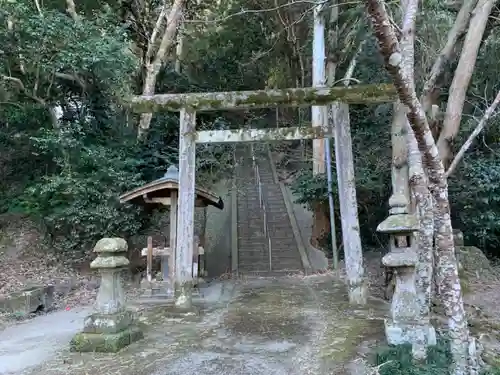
(231, 57)
(372, 169)
(41, 51)
(475, 199)
(69, 174)
(397, 360)
(492, 371)
(311, 189)
(78, 203)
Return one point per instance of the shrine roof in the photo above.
(163, 187)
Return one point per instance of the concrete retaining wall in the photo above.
(304, 218)
(219, 232)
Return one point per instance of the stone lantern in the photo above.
(110, 327)
(405, 324)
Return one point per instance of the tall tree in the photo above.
(448, 280)
(412, 174)
(461, 80)
(157, 54)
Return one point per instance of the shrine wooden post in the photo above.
(189, 104)
(185, 215)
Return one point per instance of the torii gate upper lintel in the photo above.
(190, 103)
(293, 97)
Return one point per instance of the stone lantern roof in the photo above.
(399, 224)
(399, 220)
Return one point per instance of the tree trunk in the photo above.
(448, 281)
(179, 53)
(331, 67)
(319, 113)
(414, 172)
(321, 225)
(456, 32)
(153, 67)
(482, 124)
(463, 74)
(423, 201)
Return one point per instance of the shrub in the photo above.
(397, 360)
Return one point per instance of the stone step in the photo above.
(252, 243)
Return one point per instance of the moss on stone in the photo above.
(399, 223)
(264, 98)
(105, 343)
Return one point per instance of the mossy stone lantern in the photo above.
(402, 326)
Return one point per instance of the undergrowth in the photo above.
(397, 360)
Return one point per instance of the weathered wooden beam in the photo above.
(258, 135)
(294, 97)
(185, 217)
(173, 237)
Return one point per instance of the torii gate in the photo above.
(189, 104)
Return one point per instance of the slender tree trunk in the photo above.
(448, 281)
(423, 200)
(319, 113)
(457, 31)
(463, 74)
(179, 53)
(320, 226)
(331, 67)
(479, 128)
(154, 65)
(414, 172)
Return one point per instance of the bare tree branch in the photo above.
(153, 68)
(459, 28)
(461, 80)
(71, 9)
(267, 10)
(479, 128)
(39, 9)
(154, 33)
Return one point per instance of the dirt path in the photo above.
(259, 326)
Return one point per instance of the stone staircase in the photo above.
(263, 250)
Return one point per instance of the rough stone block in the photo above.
(398, 334)
(158, 289)
(28, 300)
(103, 323)
(181, 312)
(105, 343)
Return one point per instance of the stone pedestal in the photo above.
(111, 327)
(406, 323)
(184, 295)
(157, 289)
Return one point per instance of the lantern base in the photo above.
(158, 289)
(409, 333)
(108, 323)
(105, 343)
